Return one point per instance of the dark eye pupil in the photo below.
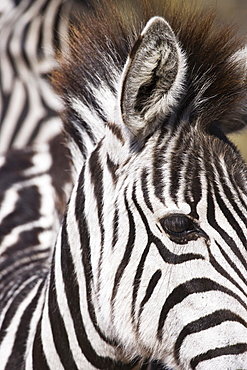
(177, 224)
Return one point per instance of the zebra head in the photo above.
(160, 210)
(171, 204)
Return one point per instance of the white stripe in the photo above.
(36, 111)
(9, 339)
(32, 330)
(89, 115)
(49, 348)
(48, 26)
(63, 306)
(2, 160)
(8, 203)
(102, 348)
(16, 103)
(12, 293)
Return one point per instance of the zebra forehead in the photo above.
(181, 165)
(189, 150)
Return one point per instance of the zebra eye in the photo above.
(177, 224)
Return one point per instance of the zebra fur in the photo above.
(32, 34)
(150, 261)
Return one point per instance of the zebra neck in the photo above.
(69, 330)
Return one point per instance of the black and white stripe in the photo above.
(149, 264)
(32, 33)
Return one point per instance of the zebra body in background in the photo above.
(150, 262)
(32, 33)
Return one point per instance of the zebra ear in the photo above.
(237, 120)
(152, 78)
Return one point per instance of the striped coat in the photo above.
(150, 260)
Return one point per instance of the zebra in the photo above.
(32, 34)
(150, 260)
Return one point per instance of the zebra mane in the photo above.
(215, 83)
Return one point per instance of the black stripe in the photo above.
(137, 280)
(24, 54)
(90, 98)
(39, 47)
(22, 116)
(176, 166)
(231, 197)
(158, 185)
(26, 261)
(81, 123)
(204, 323)
(12, 280)
(145, 189)
(226, 237)
(223, 272)
(16, 358)
(149, 291)
(240, 194)
(230, 218)
(127, 253)
(18, 299)
(13, 169)
(39, 360)
(115, 226)
(217, 352)
(27, 209)
(10, 56)
(159, 160)
(39, 124)
(112, 167)
(5, 99)
(86, 256)
(74, 134)
(164, 132)
(59, 16)
(173, 258)
(44, 7)
(197, 285)
(59, 332)
(116, 131)
(193, 188)
(26, 246)
(96, 172)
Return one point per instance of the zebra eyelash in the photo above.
(180, 228)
